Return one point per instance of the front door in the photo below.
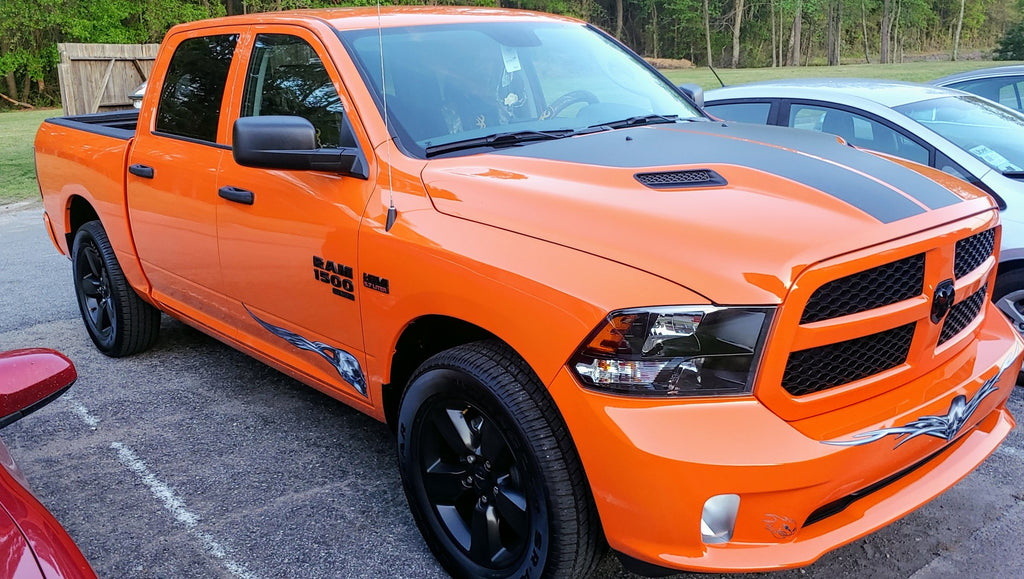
(287, 239)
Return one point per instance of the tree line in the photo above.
(736, 33)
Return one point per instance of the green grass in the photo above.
(17, 170)
(910, 71)
(18, 129)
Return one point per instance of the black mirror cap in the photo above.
(287, 142)
(31, 379)
(268, 141)
(695, 92)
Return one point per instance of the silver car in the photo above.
(1002, 84)
(964, 135)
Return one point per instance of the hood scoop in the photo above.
(680, 179)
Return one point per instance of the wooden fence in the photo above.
(99, 77)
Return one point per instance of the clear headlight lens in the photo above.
(675, 351)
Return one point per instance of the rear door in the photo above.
(172, 180)
(287, 239)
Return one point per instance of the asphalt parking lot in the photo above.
(193, 460)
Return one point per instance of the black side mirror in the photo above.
(31, 379)
(695, 92)
(284, 142)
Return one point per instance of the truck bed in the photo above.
(81, 160)
(117, 124)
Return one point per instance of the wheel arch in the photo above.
(1010, 265)
(79, 212)
(419, 340)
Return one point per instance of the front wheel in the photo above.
(491, 475)
(119, 322)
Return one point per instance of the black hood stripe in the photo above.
(924, 190)
(829, 167)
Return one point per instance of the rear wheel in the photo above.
(119, 322)
(490, 472)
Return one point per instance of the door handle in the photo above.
(144, 171)
(237, 195)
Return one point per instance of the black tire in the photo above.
(491, 474)
(118, 321)
(1008, 295)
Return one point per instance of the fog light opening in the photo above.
(718, 519)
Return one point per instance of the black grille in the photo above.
(816, 369)
(876, 287)
(675, 179)
(972, 251)
(961, 315)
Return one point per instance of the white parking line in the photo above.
(177, 508)
(83, 413)
(166, 495)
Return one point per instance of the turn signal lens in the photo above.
(675, 351)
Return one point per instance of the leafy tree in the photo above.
(1011, 45)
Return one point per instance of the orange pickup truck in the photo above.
(593, 315)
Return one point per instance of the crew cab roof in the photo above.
(363, 18)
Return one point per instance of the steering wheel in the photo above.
(569, 98)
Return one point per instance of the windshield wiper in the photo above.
(499, 140)
(1014, 174)
(638, 121)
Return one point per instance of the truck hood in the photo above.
(785, 199)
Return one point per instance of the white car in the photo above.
(977, 140)
(1002, 84)
(137, 94)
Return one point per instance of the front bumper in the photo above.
(652, 464)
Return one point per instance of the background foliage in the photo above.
(731, 33)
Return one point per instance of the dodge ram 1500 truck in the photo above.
(591, 313)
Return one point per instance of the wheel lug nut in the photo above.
(483, 499)
(468, 481)
(495, 491)
(487, 464)
(471, 458)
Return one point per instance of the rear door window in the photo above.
(193, 90)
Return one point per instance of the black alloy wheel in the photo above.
(490, 471)
(474, 482)
(94, 292)
(119, 322)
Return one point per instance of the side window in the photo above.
(741, 112)
(286, 77)
(1008, 96)
(947, 165)
(858, 130)
(191, 96)
(1003, 90)
(804, 117)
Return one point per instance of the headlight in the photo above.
(675, 351)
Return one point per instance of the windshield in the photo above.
(451, 83)
(991, 133)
